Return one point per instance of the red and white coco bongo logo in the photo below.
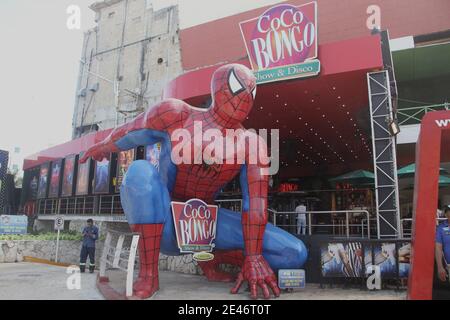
(195, 225)
(281, 36)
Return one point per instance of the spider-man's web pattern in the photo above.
(149, 244)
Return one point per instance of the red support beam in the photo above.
(428, 156)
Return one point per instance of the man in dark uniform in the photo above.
(90, 235)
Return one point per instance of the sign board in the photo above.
(290, 72)
(59, 223)
(291, 278)
(282, 43)
(13, 224)
(195, 227)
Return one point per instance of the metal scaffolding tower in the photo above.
(385, 158)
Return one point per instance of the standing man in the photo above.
(90, 235)
(301, 219)
(443, 246)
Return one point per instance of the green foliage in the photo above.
(66, 235)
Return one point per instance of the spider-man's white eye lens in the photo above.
(254, 93)
(234, 83)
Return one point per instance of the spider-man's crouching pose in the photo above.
(146, 193)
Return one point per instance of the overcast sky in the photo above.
(39, 64)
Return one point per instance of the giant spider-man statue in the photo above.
(244, 240)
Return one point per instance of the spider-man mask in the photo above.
(233, 90)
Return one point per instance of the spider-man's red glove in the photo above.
(258, 273)
(255, 269)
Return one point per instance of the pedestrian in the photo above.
(301, 219)
(90, 235)
(443, 246)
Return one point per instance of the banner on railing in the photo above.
(352, 259)
(13, 224)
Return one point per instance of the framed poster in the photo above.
(32, 183)
(101, 176)
(83, 177)
(342, 260)
(153, 154)
(68, 180)
(55, 178)
(124, 160)
(43, 180)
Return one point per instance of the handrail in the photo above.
(408, 235)
(310, 225)
(101, 205)
(413, 114)
(118, 250)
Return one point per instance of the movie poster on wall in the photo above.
(125, 159)
(32, 183)
(342, 260)
(55, 179)
(82, 185)
(153, 154)
(43, 180)
(385, 256)
(101, 176)
(68, 176)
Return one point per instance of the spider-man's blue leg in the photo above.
(146, 203)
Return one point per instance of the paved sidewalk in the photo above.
(176, 286)
(35, 281)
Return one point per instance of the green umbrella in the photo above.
(356, 177)
(443, 182)
(410, 170)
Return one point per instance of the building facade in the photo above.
(125, 63)
(324, 121)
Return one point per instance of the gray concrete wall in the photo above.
(69, 252)
(132, 43)
(13, 251)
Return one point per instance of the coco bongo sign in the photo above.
(195, 228)
(282, 43)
